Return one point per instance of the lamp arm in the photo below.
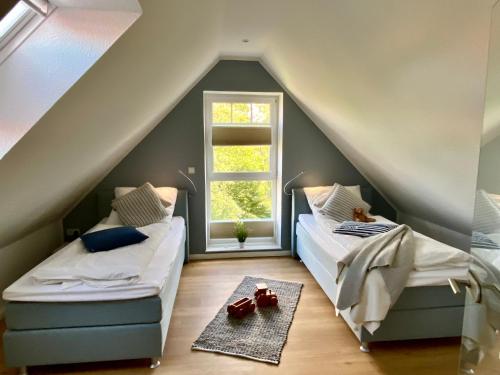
(290, 181)
(191, 181)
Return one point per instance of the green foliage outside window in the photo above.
(221, 113)
(242, 158)
(233, 200)
(241, 113)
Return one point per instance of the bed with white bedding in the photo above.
(88, 318)
(427, 308)
(332, 247)
(158, 259)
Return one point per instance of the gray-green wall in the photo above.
(178, 142)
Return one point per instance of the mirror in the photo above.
(480, 349)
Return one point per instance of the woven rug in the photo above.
(260, 335)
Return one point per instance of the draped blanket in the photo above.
(374, 274)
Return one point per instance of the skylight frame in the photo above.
(14, 21)
(25, 23)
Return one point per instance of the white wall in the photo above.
(22, 255)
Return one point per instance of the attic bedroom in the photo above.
(284, 187)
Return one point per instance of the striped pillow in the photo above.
(341, 203)
(486, 213)
(140, 207)
(354, 228)
(482, 241)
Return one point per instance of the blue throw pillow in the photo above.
(109, 239)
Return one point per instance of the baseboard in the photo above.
(240, 254)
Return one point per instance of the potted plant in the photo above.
(241, 232)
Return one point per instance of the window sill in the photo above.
(235, 246)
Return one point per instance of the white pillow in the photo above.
(113, 219)
(317, 195)
(168, 196)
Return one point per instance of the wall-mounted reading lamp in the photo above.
(290, 181)
(191, 181)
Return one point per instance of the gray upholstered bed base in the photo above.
(421, 312)
(56, 333)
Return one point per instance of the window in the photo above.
(242, 138)
(19, 22)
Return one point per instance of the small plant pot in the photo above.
(242, 244)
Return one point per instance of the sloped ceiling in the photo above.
(398, 86)
(56, 55)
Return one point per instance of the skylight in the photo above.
(14, 21)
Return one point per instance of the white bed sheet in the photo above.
(150, 283)
(332, 248)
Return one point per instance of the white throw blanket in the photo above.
(74, 265)
(375, 298)
(377, 274)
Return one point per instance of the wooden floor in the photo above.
(318, 342)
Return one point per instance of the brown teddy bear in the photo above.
(358, 214)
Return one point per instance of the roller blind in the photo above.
(241, 136)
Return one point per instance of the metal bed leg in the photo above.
(23, 370)
(468, 371)
(364, 347)
(155, 362)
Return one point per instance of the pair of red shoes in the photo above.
(263, 296)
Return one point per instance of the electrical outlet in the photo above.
(73, 232)
(191, 170)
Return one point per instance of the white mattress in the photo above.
(331, 248)
(150, 283)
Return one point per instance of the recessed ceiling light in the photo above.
(245, 40)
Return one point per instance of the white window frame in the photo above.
(24, 25)
(274, 175)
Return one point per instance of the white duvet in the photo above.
(74, 265)
(429, 254)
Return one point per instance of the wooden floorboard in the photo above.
(318, 341)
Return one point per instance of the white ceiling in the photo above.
(398, 86)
